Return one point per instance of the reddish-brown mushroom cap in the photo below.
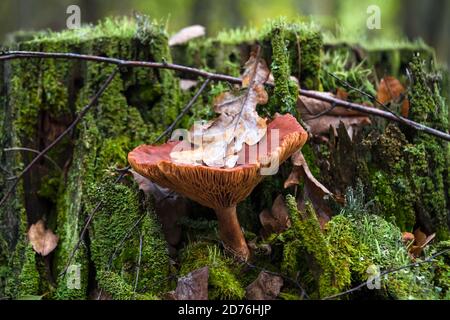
(219, 188)
(210, 186)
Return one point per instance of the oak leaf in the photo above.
(42, 240)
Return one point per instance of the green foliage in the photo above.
(118, 289)
(29, 278)
(223, 280)
(119, 213)
(338, 63)
(286, 91)
(380, 243)
(309, 241)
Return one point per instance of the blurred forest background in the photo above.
(429, 20)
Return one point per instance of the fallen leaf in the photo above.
(266, 287)
(43, 240)
(341, 94)
(193, 286)
(421, 241)
(277, 219)
(217, 143)
(311, 108)
(314, 190)
(186, 34)
(391, 90)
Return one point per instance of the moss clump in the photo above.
(310, 243)
(29, 278)
(223, 281)
(118, 289)
(122, 231)
(338, 63)
(285, 93)
(428, 107)
(346, 250)
(379, 242)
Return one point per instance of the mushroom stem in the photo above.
(231, 233)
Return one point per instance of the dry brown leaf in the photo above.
(391, 90)
(186, 34)
(314, 190)
(277, 219)
(238, 123)
(266, 287)
(310, 108)
(421, 241)
(341, 94)
(43, 240)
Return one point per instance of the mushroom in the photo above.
(221, 188)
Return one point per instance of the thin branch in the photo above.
(83, 232)
(34, 151)
(384, 273)
(9, 55)
(138, 267)
(324, 112)
(375, 112)
(80, 116)
(184, 111)
(371, 97)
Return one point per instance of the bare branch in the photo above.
(9, 55)
(62, 135)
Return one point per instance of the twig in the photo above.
(347, 84)
(34, 151)
(184, 111)
(375, 112)
(125, 237)
(119, 62)
(83, 232)
(318, 115)
(414, 264)
(62, 135)
(9, 55)
(138, 267)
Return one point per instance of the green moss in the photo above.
(285, 93)
(328, 277)
(119, 213)
(29, 278)
(380, 243)
(338, 63)
(118, 289)
(223, 281)
(347, 252)
(428, 107)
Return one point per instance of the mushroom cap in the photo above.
(213, 187)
